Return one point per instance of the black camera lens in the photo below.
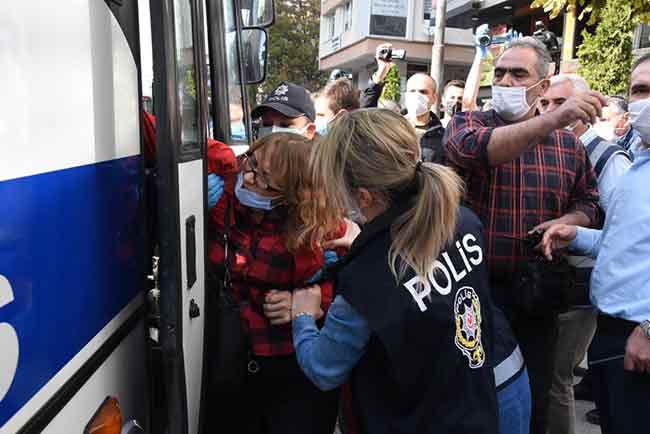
(386, 53)
(485, 40)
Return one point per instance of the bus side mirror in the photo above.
(257, 13)
(254, 54)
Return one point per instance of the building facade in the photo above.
(351, 30)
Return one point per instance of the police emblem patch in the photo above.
(282, 90)
(467, 311)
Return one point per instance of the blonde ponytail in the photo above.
(378, 150)
(422, 232)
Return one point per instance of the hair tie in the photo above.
(418, 166)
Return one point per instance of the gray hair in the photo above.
(579, 84)
(642, 59)
(543, 56)
(619, 102)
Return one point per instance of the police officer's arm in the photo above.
(328, 356)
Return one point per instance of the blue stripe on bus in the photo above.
(71, 248)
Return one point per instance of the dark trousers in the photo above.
(279, 399)
(623, 397)
(537, 337)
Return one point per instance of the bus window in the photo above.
(235, 100)
(186, 76)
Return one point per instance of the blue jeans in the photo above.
(515, 406)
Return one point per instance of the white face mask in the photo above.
(510, 102)
(266, 130)
(606, 131)
(416, 104)
(640, 118)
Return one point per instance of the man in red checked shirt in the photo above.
(523, 172)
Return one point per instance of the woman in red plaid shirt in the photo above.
(267, 262)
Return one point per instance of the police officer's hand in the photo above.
(383, 66)
(352, 231)
(308, 300)
(557, 237)
(637, 352)
(277, 307)
(586, 107)
(215, 189)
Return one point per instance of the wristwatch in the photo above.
(645, 326)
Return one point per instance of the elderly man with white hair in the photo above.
(576, 327)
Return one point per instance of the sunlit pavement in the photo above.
(582, 426)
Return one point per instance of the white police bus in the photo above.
(80, 352)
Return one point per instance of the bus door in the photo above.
(180, 104)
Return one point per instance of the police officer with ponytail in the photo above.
(412, 326)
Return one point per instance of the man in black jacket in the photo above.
(419, 98)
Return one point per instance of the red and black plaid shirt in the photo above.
(547, 181)
(259, 260)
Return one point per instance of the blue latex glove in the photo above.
(215, 190)
(512, 35)
(329, 257)
(482, 31)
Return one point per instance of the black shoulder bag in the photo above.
(230, 343)
(539, 286)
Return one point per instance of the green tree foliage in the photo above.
(606, 55)
(594, 8)
(392, 88)
(293, 46)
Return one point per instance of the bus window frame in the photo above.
(219, 68)
(193, 150)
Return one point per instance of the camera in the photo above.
(388, 54)
(339, 73)
(484, 40)
(547, 38)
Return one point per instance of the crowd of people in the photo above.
(402, 274)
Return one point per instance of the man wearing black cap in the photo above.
(288, 108)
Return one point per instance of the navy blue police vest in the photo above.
(428, 366)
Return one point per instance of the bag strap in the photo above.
(600, 151)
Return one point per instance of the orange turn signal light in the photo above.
(107, 419)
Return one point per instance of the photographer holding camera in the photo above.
(419, 98)
(371, 94)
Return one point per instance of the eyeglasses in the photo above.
(248, 164)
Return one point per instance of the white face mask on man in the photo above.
(640, 118)
(416, 104)
(511, 103)
(605, 130)
(266, 130)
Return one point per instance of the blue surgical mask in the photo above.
(254, 200)
(322, 125)
(266, 130)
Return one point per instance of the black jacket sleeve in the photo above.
(370, 95)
